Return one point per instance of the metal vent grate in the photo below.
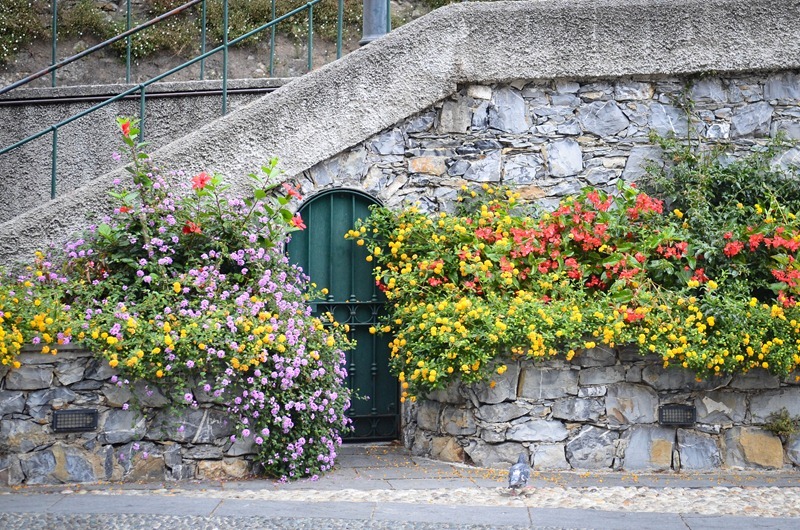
(74, 420)
(677, 414)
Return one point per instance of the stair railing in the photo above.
(141, 87)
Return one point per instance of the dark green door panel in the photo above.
(353, 298)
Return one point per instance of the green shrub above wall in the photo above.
(708, 281)
(19, 25)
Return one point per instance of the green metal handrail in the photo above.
(141, 87)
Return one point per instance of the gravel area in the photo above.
(739, 501)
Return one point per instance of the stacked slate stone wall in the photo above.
(139, 437)
(549, 139)
(600, 412)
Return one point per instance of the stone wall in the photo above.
(150, 441)
(600, 411)
(548, 139)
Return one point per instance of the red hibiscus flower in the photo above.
(200, 180)
(292, 192)
(126, 128)
(191, 228)
(124, 209)
(297, 222)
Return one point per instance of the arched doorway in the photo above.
(353, 298)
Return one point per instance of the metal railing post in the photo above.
(375, 20)
(310, 36)
(224, 57)
(272, 44)
(339, 24)
(203, 40)
(54, 40)
(128, 44)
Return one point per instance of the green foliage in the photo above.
(726, 201)
(782, 424)
(84, 18)
(20, 25)
(244, 17)
(434, 4)
(178, 34)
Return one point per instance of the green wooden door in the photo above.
(353, 298)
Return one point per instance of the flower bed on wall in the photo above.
(497, 307)
(185, 288)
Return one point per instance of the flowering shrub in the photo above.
(604, 269)
(191, 291)
(739, 215)
(32, 311)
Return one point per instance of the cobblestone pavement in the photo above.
(747, 502)
(126, 521)
(379, 487)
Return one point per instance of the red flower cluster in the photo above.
(733, 248)
(645, 204)
(487, 234)
(700, 275)
(675, 250)
(191, 228)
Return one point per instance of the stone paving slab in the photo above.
(495, 516)
(371, 461)
(707, 522)
(730, 478)
(248, 508)
(598, 520)
(27, 503)
(399, 472)
(430, 483)
(149, 504)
